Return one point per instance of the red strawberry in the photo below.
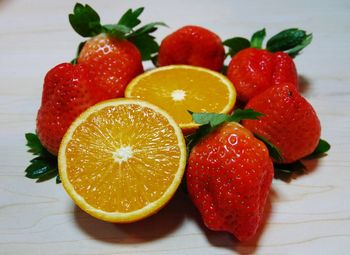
(252, 70)
(115, 51)
(290, 122)
(192, 45)
(68, 91)
(114, 63)
(229, 174)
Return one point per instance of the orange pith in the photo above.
(122, 160)
(180, 88)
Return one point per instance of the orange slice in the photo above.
(122, 160)
(179, 88)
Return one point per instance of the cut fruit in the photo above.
(180, 88)
(122, 160)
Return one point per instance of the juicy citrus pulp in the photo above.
(122, 160)
(180, 88)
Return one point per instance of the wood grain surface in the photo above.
(309, 215)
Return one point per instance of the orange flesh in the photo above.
(200, 95)
(132, 147)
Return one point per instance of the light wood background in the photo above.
(310, 215)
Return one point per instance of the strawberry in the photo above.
(115, 51)
(289, 121)
(252, 69)
(68, 91)
(114, 62)
(107, 62)
(229, 174)
(103, 67)
(192, 45)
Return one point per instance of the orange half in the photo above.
(122, 160)
(180, 88)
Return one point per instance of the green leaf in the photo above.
(296, 50)
(289, 39)
(224, 69)
(236, 44)
(154, 58)
(130, 18)
(144, 41)
(258, 38)
(147, 46)
(41, 168)
(273, 150)
(34, 144)
(35, 159)
(193, 139)
(44, 165)
(213, 119)
(322, 147)
(210, 121)
(36, 169)
(116, 30)
(85, 20)
(246, 114)
(147, 29)
(52, 173)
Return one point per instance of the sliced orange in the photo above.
(179, 88)
(122, 160)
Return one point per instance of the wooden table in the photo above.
(310, 215)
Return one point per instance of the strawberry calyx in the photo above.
(44, 165)
(210, 121)
(86, 22)
(291, 41)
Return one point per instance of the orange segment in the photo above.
(122, 160)
(179, 88)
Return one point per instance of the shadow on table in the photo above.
(163, 224)
(304, 84)
(297, 169)
(158, 226)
